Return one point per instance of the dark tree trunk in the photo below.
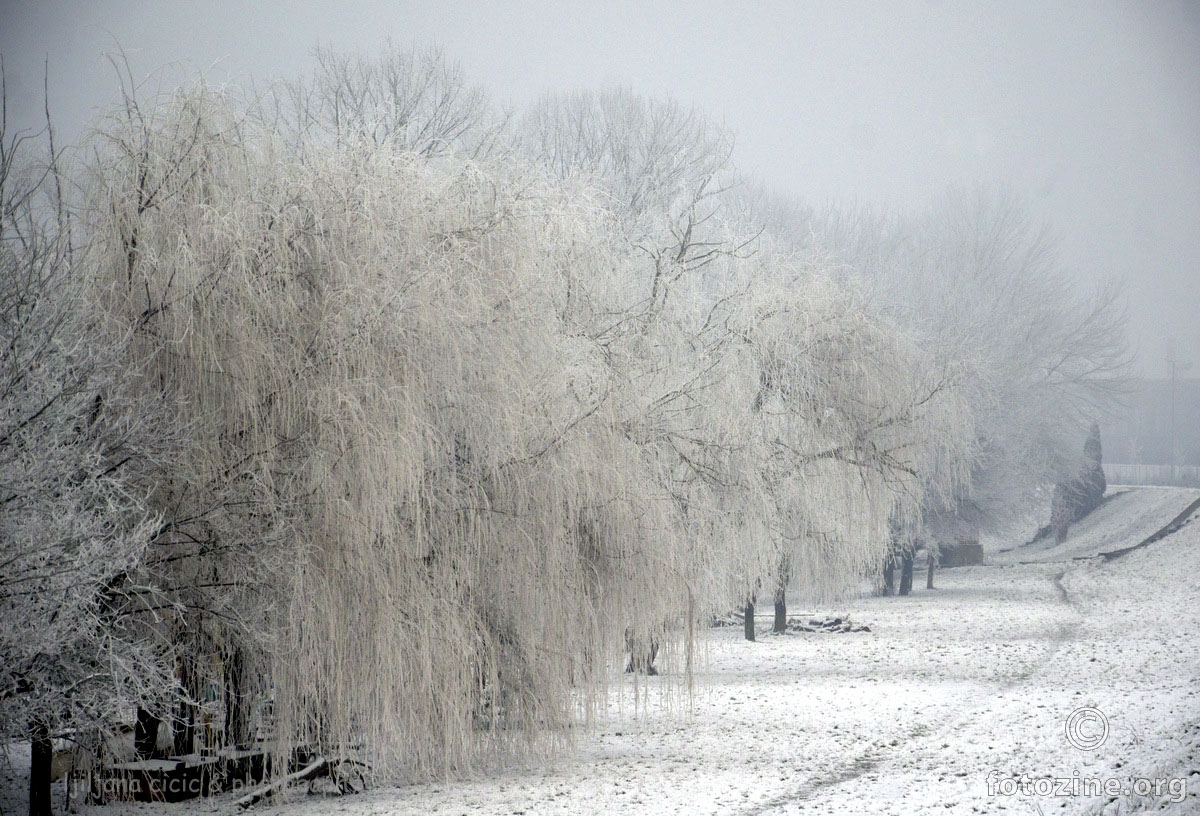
(781, 582)
(184, 741)
(780, 611)
(642, 653)
(933, 559)
(41, 756)
(236, 732)
(145, 734)
(906, 574)
(889, 576)
(185, 717)
(651, 656)
(749, 623)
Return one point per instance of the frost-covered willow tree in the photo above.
(411, 99)
(859, 432)
(888, 409)
(668, 320)
(400, 401)
(788, 403)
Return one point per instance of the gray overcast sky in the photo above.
(1089, 110)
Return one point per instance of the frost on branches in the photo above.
(76, 449)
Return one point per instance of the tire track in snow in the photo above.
(848, 772)
(1067, 630)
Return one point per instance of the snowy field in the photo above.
(956, 702)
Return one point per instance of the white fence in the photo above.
(1167, 475)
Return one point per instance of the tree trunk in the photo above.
(236, 721)
(185, 730)
(145, 734)
(906, 574)
(889, 576)
(185, 718)
(650, 670)
(749, 623)
(642, 653)
(41, 756)
(781, 582)
(933, 559)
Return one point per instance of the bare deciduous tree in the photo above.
(410, 99)
(79, 448)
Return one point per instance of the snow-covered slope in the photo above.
(956, 700)
(1128, 516)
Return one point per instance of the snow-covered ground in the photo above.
(957, 701)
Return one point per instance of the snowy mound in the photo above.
(1128, 516)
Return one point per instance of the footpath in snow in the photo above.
(957, 701)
